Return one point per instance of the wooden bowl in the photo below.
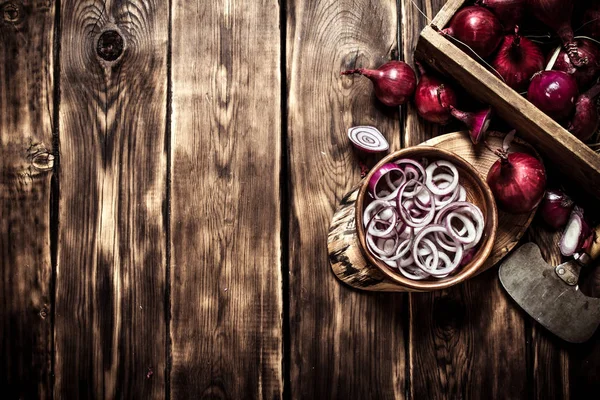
(478, 193)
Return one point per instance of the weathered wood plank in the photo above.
(26, 111)
(344, 344)
(468, 341)
(411, 22)
(110, 330)
(226, 282)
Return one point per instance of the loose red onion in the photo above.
(509, 12)
(477, 122)
(554, 93)
(478, 28)
(394, 82)
(577, 235)
(585, 75)
(591, 20)
(368, 139)
(431, 92)
(517, 60)
(586, 120)
(557, 15)
(555, 208)
(518, 182)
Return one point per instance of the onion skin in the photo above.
(553, 92)
(518, 182)
(431, 92)
(509, 12)
(394, 82)
(586, 120)
(478, 28)
(517, 60)
(555, 208)
(557, 15)
(586, 74)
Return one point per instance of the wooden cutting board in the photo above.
(345, 255)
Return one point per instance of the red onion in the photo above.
(518, 181)
(586, 119)
(585, 75)
(577, 236)
(478, 122)
(394, 82)
(509, 12)
(555, 208)
(557, 15)
(553, 92)
(478, 28)
(591, 20)
(368, 139)
(430, 94)
(517, 60)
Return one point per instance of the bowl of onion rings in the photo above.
(426, 218)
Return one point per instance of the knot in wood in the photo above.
(110, 45)
(11, 12)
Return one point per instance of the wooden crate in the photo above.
(567, 153)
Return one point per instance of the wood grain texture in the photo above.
(411, 22)
(226, 327)
(110, 330)
(467, 341)
(26, 162)
(344, 344)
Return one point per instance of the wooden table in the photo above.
(169, 170)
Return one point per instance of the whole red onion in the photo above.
(553, 92)
(518, 182)
(591, 20)
(517, 60)
(556, 208)
(587, 74)
(394, 82)
(586, 120)
(430, 94)
(478, 28)
(509, 12)
(557, 15)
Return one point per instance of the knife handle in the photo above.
(594, 250)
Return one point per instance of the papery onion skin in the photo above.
(518, 182)
(554, 93)
(430, 93)
(586, 120)
(509, 12)
(517, 60)
(478, 28)
(394, 82)
(557, 15)
(585, 75)
(555, 208)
